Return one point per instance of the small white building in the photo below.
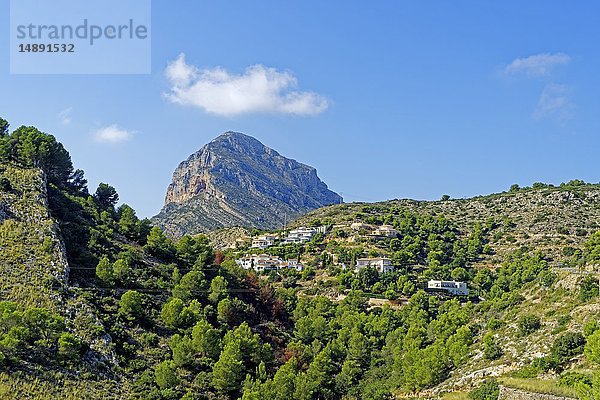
(385, 231)
(453, 287)
(259, 262)
(295, 264)
(302, 234)
(381, 264)
(263, 241)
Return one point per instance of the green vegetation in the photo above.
(141, 315)
(539, 386)
(488, 390)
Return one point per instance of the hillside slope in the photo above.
(141, 316)
(546, 218)
(33, 265)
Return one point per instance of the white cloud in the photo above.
(65, 116)
(537, 64)
(555, 102)
(112, 134)
(258, 89)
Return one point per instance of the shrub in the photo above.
(547, 278)
(69, 345)
(528, 324)
(574, 379)
(131, 305)
(588, 288)
(527, 371)
(5, 184)
(590, 327)
(592, 347)
(165, 376)
(489, 390)
(494, 323)
(492, 351)
(567, 345)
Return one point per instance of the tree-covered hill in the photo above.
(545, 217)
(99, 304)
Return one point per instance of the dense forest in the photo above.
(144, 316)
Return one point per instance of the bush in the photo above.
(492, 351)
(592, 347)
(547, 278)
(528, 324)
(489, 390)
(131, 305)
(588, 288)
(69, 346)
(165, 376)
(590, 327)
(567, 345)
(5, 184)
(494, 323)
(574, 379)
(527, 371)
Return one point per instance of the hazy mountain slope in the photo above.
(237, 181)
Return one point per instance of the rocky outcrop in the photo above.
(33, 263)
(235, 180)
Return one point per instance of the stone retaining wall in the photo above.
(507, 393)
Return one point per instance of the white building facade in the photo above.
(453, 287)
(302, 234)
(266, 262)
(263, 241)
(381, 264)
(385, 231)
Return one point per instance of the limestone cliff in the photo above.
(235, 180)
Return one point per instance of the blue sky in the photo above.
(393, 99)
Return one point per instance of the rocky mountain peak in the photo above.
(236, 180)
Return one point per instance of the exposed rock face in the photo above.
(33, 262)
(235, 180)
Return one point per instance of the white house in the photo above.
(295, 264)
(453, 287)
(265, 262)
(386, 231)
(263, 241)
(302, 234)
(381, 264)
(259, 263)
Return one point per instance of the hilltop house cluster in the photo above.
(265, 262)
(299, 235)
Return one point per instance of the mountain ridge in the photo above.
(235, 180)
